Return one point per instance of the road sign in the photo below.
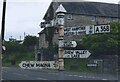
(101, 28)
(70, 44)
(89, 29)
(38, 65)
(74, 30)
(86, 29)
(63, 43)
(76, 54)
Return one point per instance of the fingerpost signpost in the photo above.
(80, 30)
(60, 13)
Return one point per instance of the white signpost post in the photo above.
(76, 54)
(38, 65)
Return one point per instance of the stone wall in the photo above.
(73, 20)
(78, 20)
(42, 42)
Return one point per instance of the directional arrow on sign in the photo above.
(63, 43)
(38, 65)
(74, 43)
(76, 54)
(70, 44)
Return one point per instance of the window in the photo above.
(93, 18)
(69, 17)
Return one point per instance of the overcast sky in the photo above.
(25, 16)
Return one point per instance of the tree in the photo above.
(103, 44)
(30, 41)
(14, 46)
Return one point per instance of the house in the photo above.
(42, 40)
(78, 14)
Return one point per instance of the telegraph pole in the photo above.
(2, 35)
(60, 13)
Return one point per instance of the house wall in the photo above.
(84, 20)
(78, 20)
(55, 39)
(42, 42)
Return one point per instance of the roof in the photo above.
(41, 32)
(89, 8)
(92, 8)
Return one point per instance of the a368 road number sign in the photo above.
(102, 29)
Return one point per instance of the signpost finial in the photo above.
(61, 9)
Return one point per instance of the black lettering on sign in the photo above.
(24, 65)
(67, 52)
(72, 33)
(91, 27)
(83, 28)
(74, 56)
(55, 65)
(80, 33)
(37, 65)
(71, 52)
(103, 29)
(107, 28)
(90, 32)
(84, 52)
(97, 29)
(67, 29)
(75, 28)
(28, 65)
(68, 44)
(43, 65)
(77, 52)
(32, 65)
(46, 64)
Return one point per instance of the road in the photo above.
(16, 73)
